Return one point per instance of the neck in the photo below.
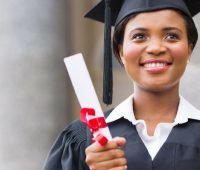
(156, 106)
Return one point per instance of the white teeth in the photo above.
(153, 65)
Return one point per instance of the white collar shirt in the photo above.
(153, 143)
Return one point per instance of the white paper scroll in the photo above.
(83, 87)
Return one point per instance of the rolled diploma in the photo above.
(84, 88)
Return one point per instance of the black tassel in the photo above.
(108, 75)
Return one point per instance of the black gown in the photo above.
(181, 150)
(68, 151)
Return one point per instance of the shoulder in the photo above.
(74, 134)
(74, 127)
(69, 147)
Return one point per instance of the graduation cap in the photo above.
(112, 12)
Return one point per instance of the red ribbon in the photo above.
(94, 124)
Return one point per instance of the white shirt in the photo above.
(153, 143)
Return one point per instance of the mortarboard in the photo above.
(112, 12)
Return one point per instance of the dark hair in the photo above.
(118, 35)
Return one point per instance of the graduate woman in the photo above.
(155, 128)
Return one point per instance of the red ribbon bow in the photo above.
(94, 124)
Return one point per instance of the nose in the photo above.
(156, 47)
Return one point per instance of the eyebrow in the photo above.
(139, 29)
(164, 29)
(172, 28)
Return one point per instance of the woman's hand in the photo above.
(107, 157)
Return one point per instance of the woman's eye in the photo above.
(172, 37)
(138, 37)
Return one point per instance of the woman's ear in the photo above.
(190, 49)
(120, 47)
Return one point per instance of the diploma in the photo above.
(91, 112)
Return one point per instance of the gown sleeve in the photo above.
(68, 151)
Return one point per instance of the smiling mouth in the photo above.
(155, 65)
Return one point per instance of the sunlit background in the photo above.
(36, 96)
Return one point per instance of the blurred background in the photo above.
(36, 95)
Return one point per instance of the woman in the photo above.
(157, 128)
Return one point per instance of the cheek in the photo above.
(180, 52)
(131, 52)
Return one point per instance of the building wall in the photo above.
(34, 92)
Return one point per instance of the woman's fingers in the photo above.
(115, 164)
(115, 143)
(108, 156)
(120, 141)
(104, 155)
(120, 168)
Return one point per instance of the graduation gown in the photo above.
(181, 150)
(68, 151)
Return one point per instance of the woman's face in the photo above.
(155, 49)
